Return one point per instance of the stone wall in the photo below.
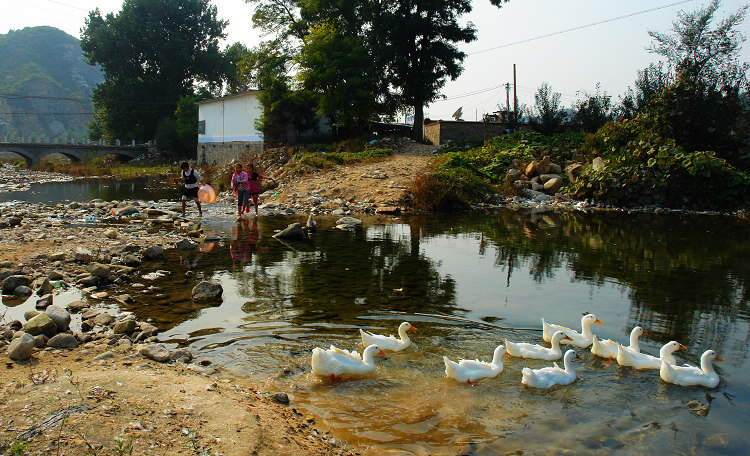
(461, 131)
(225, 153)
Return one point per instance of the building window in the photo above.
(201, 127)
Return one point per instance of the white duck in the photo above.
(336, 362)
(466, 370)
(608, 348)
(644, 361)
(531, 351)
(389, 343)
(690, 375)
(582, 339)
(550, 376)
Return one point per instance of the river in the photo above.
(467, 282)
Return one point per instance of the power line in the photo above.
(581, 27)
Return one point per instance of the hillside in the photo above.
(45, 84)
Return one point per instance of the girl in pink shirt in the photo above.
(253, 185)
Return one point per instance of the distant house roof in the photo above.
(227, 97)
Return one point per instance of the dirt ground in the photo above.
(76, 403)
(69, 403)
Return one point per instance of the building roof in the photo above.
(236, 95)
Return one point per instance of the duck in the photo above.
(688, 375)
(532, 351)
(466, 370)
(389, 343)
(336, 362)
(547, 377)
(581, 340)
(608, 348)
(645, 361)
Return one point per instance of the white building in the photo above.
(226, 128)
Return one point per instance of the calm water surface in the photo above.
(467, 283)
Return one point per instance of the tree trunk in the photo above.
(417, 131)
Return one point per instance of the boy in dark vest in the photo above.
(191, 182)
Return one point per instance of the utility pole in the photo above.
(515, 100)
(507, 96)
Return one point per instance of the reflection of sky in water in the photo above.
(87, 189)
(444, 276)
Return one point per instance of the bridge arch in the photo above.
(21, 152)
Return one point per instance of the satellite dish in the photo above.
(457, 115)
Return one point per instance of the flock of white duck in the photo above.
(338, 363)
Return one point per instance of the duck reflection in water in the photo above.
(245, 238)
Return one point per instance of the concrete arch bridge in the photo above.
(32, 153)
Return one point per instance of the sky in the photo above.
(572, 45)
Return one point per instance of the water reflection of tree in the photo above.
(689, 278)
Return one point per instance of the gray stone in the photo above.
(21, 348)
(154, 252)
(553, 185)
(76, 306)
(41, 324)
(23, 291)
(128, 210)
(10, 283)
(124, 327)
(89, 280)
(207, 291)
(294, 232)
(124, 298)
(40, 341)
(67, 341)
(82, 255)
(281, 398)
(157, 352)
(103, 319)
(348, 221)
(543, 178)
(131, 260)
(183, 355)
(60, 316)
(103, 356)
(112, 234)
(598, 164)
(43, 286)
(574, 170)
(185, 244)
(44, 302)
(29, 314)
(57, 256)
(55, 275)
(99, 270)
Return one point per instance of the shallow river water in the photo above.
(466, 283)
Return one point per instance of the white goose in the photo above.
(550, 376)
(336, 362)
(608, 348)
(389, 343)
(644, 361)
(581, 340)
(690, 375)
(466, 370)
(531, 351)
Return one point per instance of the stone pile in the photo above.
(540, 179)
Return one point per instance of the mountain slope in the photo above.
(45, 85)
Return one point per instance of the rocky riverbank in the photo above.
(107, 384)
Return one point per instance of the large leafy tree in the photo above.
(152, 52)
(548, 112)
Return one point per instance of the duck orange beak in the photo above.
(382, 354)
(682, 347)
(412, 328)
(718, 358)
(644, 334)
(598, 321)
(568, 338)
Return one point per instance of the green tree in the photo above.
(649, 82)
(548, 114)
(152, 52)
(705, 107)
(593, 111)
(418, 49)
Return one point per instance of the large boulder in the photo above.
(82, 255)
(207, 291)
(41, 324)
(154, 252)
(125, 327)
(44, 301)
(21, 348)
(157, 352)
(60, 316)
(185, 244)
(99, 270)
(553, 185)
(294, 232)
(10, 283)
(67, 341)
(574, 170)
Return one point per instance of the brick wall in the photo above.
(225, 153)
(459, 131)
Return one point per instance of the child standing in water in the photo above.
(239, 185)
(191, 181)
(253, 185)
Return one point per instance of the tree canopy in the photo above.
(153, 52)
